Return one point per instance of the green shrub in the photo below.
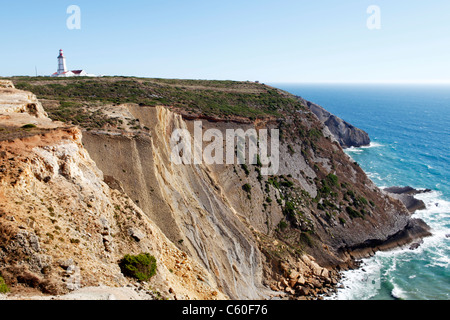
(141, 266)
(325, 190)
(247, 188)
(258, 161)
(287, 183)
(245, 168)
(282, 225)
(363, 201)
(315, 133)
(289, 209)
(333, 179)
(274, 182)
(29, 126)
(3, 286)
(353, 213)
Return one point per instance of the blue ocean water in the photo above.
(409, 126)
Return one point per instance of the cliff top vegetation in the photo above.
(221, 99)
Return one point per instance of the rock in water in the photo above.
(406, 196)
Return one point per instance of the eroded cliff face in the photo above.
(186, 201)
(75, 202)
(63, 228)
(15, 101)
(318, 213)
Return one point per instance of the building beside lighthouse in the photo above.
(63, 72)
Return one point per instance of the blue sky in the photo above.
(265, 40)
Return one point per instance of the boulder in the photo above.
(136, 234)
(294, 275)
(303, 291)
(301, 280)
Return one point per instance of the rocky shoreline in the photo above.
(323, 284)
(319, 282)
(411, 235)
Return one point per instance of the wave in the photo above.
(361, 149)
(372, 144)
(395, 273)
(359, 284)
(397, 293)
(354, 149)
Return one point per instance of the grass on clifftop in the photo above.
(222, 99)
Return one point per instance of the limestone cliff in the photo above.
(238, 238)
(217, 230)
(18, 101)
(346, 134)
(63, 228)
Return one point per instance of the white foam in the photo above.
(434, 249)
(354, 149)
(372, 145)
(361, 149)
(398, 293)
(437, 212)
(360, 284)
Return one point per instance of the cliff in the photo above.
(62, 228)
(346, 134)
(17, 101)
(249, 236)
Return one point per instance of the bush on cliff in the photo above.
(3, 286)
(141, 266)
(247, 188)
(29, 126)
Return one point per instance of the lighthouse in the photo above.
(61, 63)
(63, 72)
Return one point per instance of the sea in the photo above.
(409, 127)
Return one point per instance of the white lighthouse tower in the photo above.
(63, 72)
(61, 63)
